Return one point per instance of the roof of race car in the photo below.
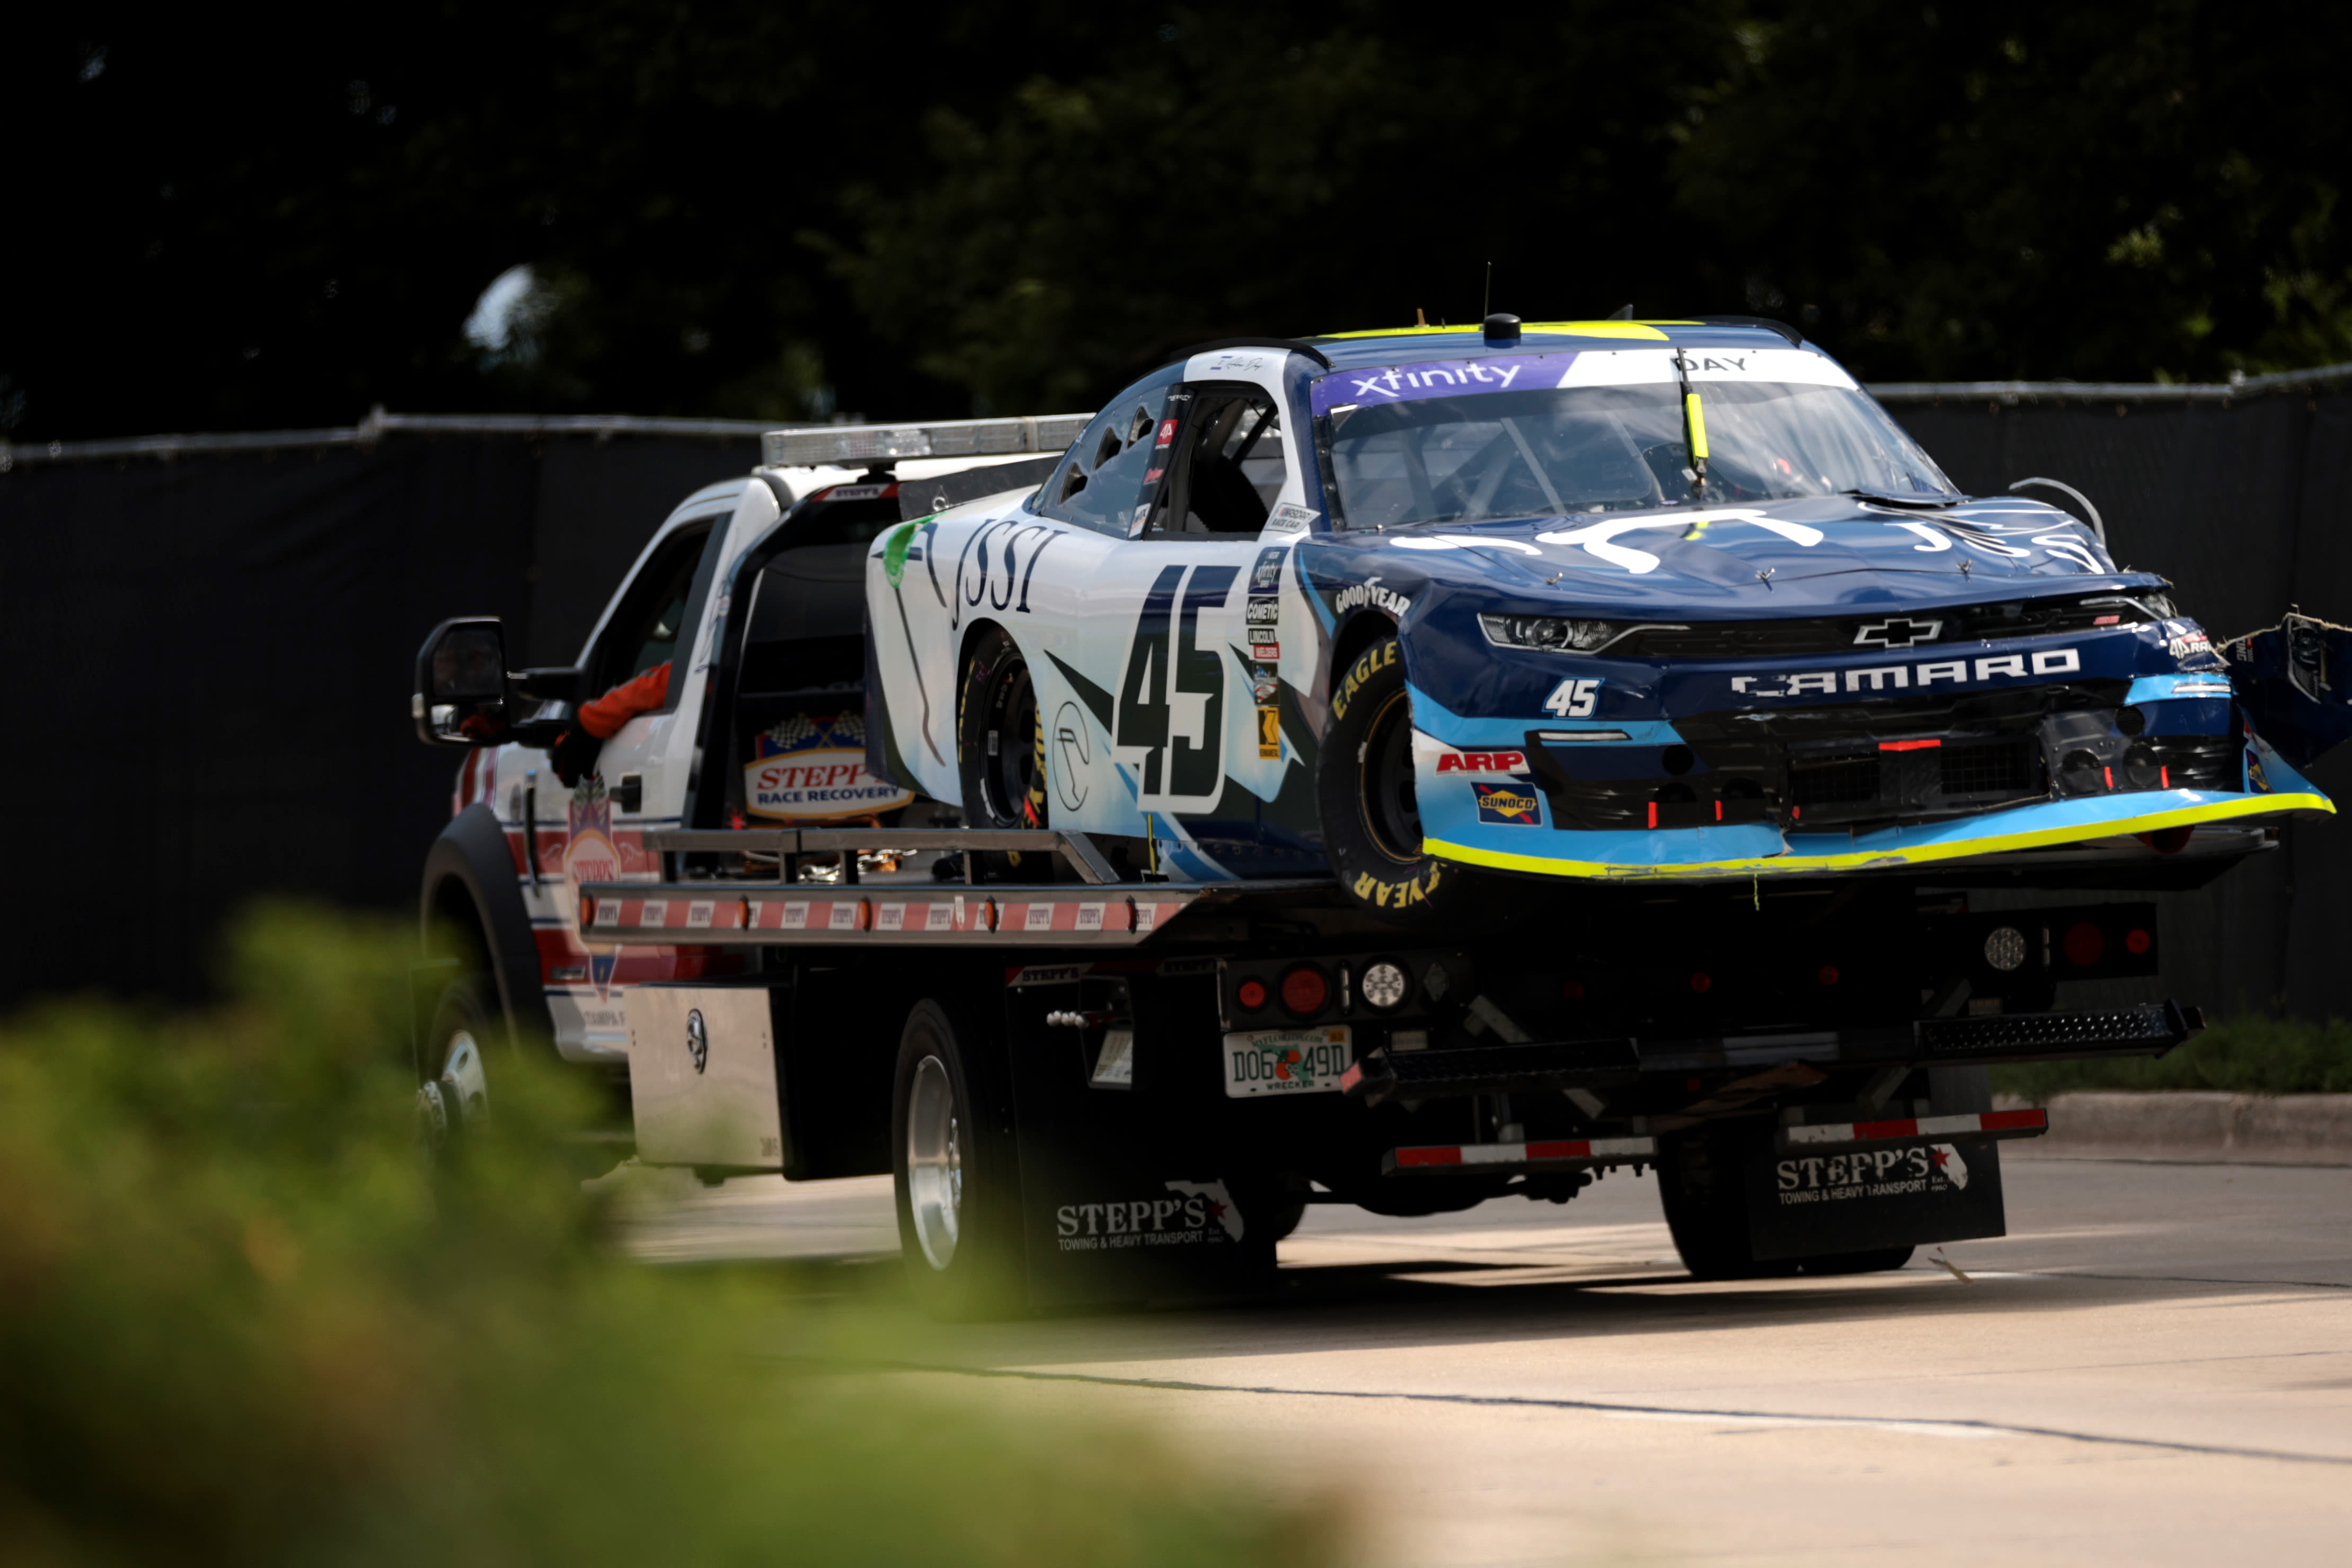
(1396, 345)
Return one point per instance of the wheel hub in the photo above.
(934, 1162)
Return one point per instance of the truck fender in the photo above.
(469, 872)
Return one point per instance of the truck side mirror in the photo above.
(461, 684)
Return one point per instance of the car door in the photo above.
(1135, 633)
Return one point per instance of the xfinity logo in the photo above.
(1899, 677)
(1901, 632)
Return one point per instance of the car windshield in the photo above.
(1558, 450)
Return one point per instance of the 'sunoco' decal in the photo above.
(1507, 803)
(810, 770)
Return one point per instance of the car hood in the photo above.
(1774, 557)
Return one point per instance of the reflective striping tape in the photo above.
(1429, 1156)
(1964, 1127)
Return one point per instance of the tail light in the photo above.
(1306, 990)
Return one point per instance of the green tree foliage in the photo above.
(242, 1321)
(780, 211)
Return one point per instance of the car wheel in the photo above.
(1366, 801)
(1001, 738)
(953, 1169)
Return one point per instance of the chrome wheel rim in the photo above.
(934, 1162)
(462, 1079)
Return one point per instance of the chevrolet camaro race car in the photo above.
(1592, 601)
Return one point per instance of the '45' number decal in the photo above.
(1171, 695)
(1573, 699)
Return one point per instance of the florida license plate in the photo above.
(1286, 1061)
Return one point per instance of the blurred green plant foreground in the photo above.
(241, 1320)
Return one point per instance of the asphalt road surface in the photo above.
(2155, 1367)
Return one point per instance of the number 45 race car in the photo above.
(1584, 602)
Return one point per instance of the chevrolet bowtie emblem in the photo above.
(1902, 631)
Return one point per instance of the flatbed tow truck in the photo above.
(1094, 1082)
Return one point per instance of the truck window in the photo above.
(656, 612)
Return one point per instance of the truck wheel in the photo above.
(954, 1167)
(1700, 1182)
(1001, 738)
(1365, 796)
(465, 1027)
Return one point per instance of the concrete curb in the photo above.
(2189, 1124)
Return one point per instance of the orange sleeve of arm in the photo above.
(616, 707)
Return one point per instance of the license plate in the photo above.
(1286, 1061)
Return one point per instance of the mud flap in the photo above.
(1807, 1206)
(2295, 683)
(1129, 1196)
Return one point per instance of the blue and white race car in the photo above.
(1593, 601)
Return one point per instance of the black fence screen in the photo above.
(214, 651)
(215, 654)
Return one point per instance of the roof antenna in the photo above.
(1623, 313)
(1420, 318)
(1487, 300)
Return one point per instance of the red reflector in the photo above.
(1699, 982)
(1653, 813)
(2110, 774)
(1829, 975)
(1718, 811)
(1572, 989)
(2138, 941)
(2107, 620)
(1908, 745)
(1305, 990)
(1796, 813)
(2085, 944)
(1251, 994)
(2164, 777)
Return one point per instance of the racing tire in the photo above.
(954, 1169)
(1001, 753)
(1365, 797)
(1001, 737)
(1701, 1187)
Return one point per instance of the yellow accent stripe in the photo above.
(1961, 849)
(1641, 330)
(1697, 417)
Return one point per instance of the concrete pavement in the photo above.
(2155, 1367)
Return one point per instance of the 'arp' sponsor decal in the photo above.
(1507, 803)
(1483, 762)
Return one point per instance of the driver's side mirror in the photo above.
(461, 684)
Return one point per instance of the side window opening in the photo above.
(1115, 465)
(1231, 467)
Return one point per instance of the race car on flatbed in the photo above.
(1657, 702)
(1591, 601)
